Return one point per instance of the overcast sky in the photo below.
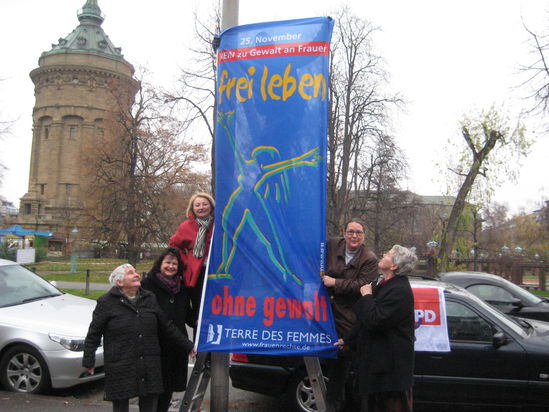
(445, 58)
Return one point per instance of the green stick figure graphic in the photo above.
(247, 203)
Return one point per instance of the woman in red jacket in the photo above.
(192, 239)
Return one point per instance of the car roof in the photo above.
(449, 288)
(471, 275)
(5, 262)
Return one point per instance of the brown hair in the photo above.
(355, 220)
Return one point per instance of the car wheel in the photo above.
(22, 369)
(300, 393)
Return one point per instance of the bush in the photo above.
(7, 252)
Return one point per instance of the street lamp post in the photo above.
(74, 251)
(431, 264)
(473, 254)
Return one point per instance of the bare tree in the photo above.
(195, 95)
(490, 146)
(538, 72)
(134, 170)
(4, 130)
(358, 105)
(358, 113)
(376, 192)
(5, 127)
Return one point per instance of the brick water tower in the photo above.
(73, 97)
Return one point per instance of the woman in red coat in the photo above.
(192, 239)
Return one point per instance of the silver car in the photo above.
(42, 333)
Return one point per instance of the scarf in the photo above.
(203, 224)
(173, 283)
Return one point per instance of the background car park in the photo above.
(42, 333)
(495, 361)
(499, 292)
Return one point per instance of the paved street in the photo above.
(89, 398)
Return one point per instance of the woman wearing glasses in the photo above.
(350, 265)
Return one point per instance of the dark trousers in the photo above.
(164, 401)
(146, 404)
(394, 401)
(196, 296)
(338, 374)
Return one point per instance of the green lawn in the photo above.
(99, 269)
(94, 294)
(541, 293)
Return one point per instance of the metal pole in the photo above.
(87, 282)
(73, 258)
(219, 390)
(229, 14)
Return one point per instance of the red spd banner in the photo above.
(430, 320)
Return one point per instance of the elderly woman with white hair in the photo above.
(384, 335)
(130, 321)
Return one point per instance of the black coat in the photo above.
(131, 345)
(177, 308)
(384, 337)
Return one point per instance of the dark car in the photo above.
(495, 361)
(504, 295)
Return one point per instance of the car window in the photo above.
(19, 285)
(466, 325)
(491, 292)
(526, 297)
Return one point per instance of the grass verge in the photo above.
(94, 294)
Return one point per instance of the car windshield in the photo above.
(524, 295)
(508, 321)
(19, 285)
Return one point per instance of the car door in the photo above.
(474, 371)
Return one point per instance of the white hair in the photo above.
(118, 274)
(404, 258)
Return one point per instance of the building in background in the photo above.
(72, 100)
(8, 212)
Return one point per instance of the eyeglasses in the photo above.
(354, 232)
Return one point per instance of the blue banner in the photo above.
(264, 292)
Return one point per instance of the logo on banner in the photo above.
(427, 307)
(430, 319)
(214, 334)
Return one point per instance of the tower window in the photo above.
(72, 132)
(42, 188)
(28, 208)
(46, 132)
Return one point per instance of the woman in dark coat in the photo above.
(384, 336)
(129, 320)
(165, 281)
